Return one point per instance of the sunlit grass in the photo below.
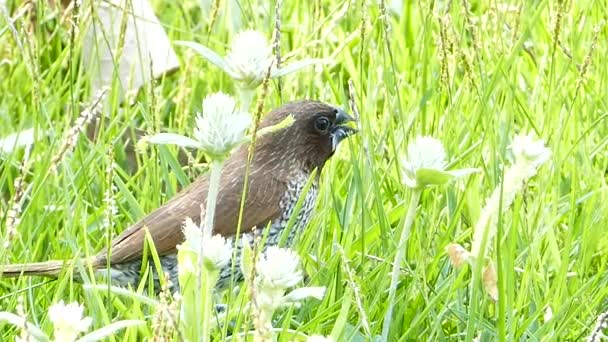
(471, 78)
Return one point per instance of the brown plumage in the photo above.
(281, 159)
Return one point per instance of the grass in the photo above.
(472, 75)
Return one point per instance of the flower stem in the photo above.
(205, 277)
(214, 187)
(245, 98)
(401, 249)
(191, 313)
(209, 278)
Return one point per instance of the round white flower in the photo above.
(426, 162)
(68, 321)
(279, 267)
(216, 249)
(527, 148)
(249, 58)
(220, 127)
(426, 153)
(193, 235)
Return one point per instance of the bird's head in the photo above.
(314, 135)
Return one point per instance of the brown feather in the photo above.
(51, 268)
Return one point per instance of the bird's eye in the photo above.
(322, 124)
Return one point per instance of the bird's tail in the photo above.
(50, 269)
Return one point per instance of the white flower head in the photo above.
(68, 320)
(426, 153)
(529, 155)
(220, 127)
(529, 149)
(193, 235)
(425, 164)
(279, 268)
(216, 249)
(249, 58)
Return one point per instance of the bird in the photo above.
(279, 171)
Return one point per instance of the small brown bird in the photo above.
(280, 168)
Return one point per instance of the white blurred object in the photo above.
(146, 45)
(15, 140)
(396, 7)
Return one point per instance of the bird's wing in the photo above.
(165, 223)
(264, 193)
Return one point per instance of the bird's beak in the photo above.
(340, 131)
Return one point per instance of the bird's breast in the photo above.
(296, 206)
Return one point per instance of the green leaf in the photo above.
(463, 172)
(246, 260)
(109, 330)
(288, 121)
(426, 177)
(206, 53)
(293, 67)
(301, 293)
(173, 139)
(121, 291)
(18, 321)
(342, 320)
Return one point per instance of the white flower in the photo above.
(548, 314)
(22, 138)
(220, 127)
(68, 321)
(193, 235)
(249, 58)
(279, 268)
(216, 249)
(527, 148)
(426, 153)
(529, 154)
(425, 164)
